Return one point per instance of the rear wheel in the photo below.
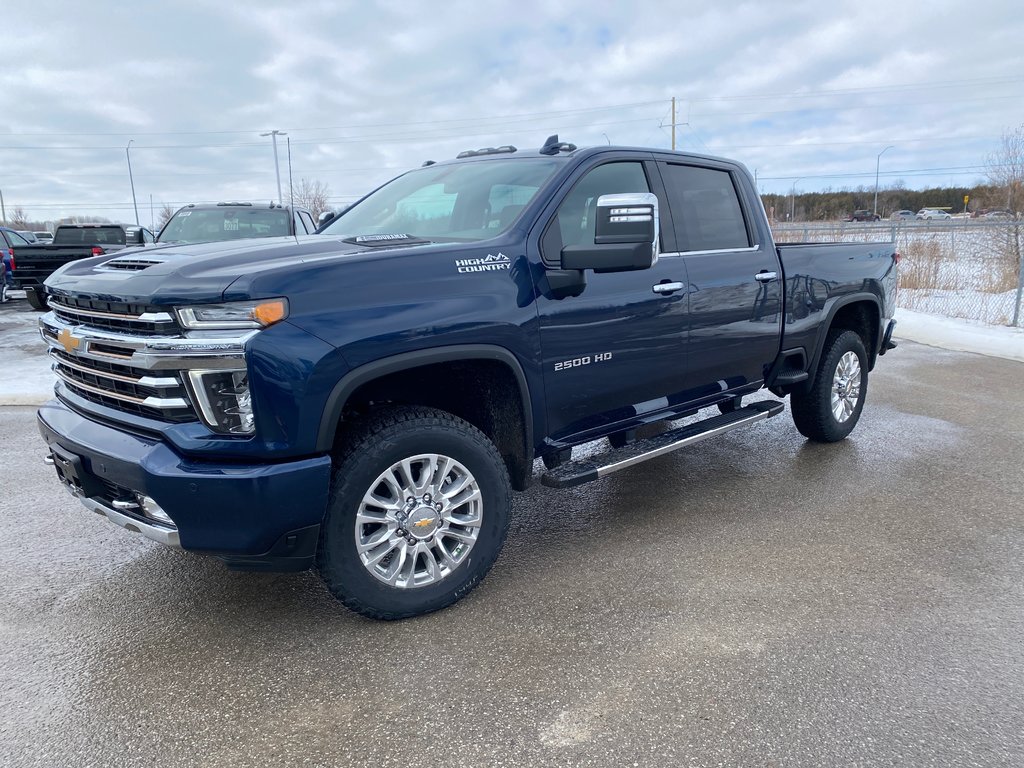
(832, 407)
(417, 514)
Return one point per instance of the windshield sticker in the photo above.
(183, 214)
(489, 263)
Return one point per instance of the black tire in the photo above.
(377, 443)
(36, 299)
(812, 411)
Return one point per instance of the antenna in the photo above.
(291, 190)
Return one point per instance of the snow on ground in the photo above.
(960, 335)
(26, 379)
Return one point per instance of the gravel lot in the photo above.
(755, 600)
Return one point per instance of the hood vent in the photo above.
(131, 263)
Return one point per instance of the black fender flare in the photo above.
(819, 343)
(367, 372)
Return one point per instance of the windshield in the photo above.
(205, 225)
(463, 202)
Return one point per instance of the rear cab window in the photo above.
(706, 210)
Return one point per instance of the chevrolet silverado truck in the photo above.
(365, 400)
(71, 242)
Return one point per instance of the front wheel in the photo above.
(832, 407)
(418, 512)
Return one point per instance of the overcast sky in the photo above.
(806, 94)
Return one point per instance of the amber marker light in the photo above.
(269, 312)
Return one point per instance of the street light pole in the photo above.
(131, 179)
(874, 211)
(277, 168)
(792, 204)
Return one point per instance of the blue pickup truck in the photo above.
(365, 400)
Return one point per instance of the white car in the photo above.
(44, 237)
(932, 213)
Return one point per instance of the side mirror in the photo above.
(625, 235)
(324, 217)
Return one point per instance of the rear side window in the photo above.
(307, 222)
(705, 208)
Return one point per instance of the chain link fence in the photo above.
(963, 268)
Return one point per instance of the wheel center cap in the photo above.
(423, 522)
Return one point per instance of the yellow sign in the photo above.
(69, 342)
(966, 198)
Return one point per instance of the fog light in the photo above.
(154, 511)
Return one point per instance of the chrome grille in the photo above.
(131, 358)
(114, 316)
(119, 386)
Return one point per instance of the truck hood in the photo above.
(196, 272)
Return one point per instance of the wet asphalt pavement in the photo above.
(754, 600)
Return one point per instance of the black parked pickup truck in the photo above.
(364, 400)
(71, 242)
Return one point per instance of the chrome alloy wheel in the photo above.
(418, 521)
(846, 387)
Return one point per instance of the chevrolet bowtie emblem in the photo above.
(68, 341)
(423, 523)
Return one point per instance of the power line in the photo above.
(352, 127)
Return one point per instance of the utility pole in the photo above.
(3, 211)
(277, 167)
(152, 218)
(874, 211)
(132, 180)
(673, 123)
(792, 205)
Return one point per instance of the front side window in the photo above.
(706, 209)
(463, 202)
(577, 214)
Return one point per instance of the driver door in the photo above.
(615, 353)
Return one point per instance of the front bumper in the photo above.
(253, 516)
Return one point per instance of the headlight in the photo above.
(235, 314)
(224, 400)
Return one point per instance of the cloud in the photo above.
(366, 90)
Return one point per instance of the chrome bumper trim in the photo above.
(162, 535)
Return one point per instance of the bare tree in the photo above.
(166, 211)
(18, 218)
(1006, 168)
(312, 195)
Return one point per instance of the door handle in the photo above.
(766, 277)
(667, 287)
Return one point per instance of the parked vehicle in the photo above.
(71, 242)
(44, 237)
(207, 223)
(999, 214)
(364, 400)
(3, 281)
(863, 215)
(9, 240)
(30, 236)
(932, 213)
(897, 215)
